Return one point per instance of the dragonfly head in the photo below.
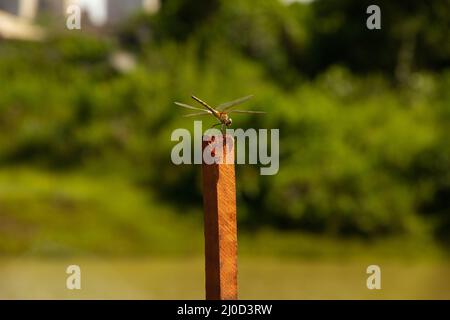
(228, 122)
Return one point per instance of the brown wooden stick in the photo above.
(219, 202)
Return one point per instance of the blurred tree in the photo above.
(180, 18)
(356, 156)
(414, 34)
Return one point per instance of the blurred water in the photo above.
(183, 279)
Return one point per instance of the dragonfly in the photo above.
(221, 112)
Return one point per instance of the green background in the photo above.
(85, 169)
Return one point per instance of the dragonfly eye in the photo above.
(229, 122)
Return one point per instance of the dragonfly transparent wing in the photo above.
(184, 105)
(205, 112)
(203, 103)
(228, 105)
(246, 111)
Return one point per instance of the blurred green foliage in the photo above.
(364, 151)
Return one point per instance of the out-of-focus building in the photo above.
(29, 9)
(119, 10)
(116, 10)
(16, 16)
(15, 27)
(21, 8)
(52, 7)
(12, 7)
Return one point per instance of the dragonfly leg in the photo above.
(222, 127)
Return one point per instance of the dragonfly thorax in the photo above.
(225, 119)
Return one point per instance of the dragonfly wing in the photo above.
(203, 103)
(184, 105)
(228, 105)
(245, 111)
(198, 114)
